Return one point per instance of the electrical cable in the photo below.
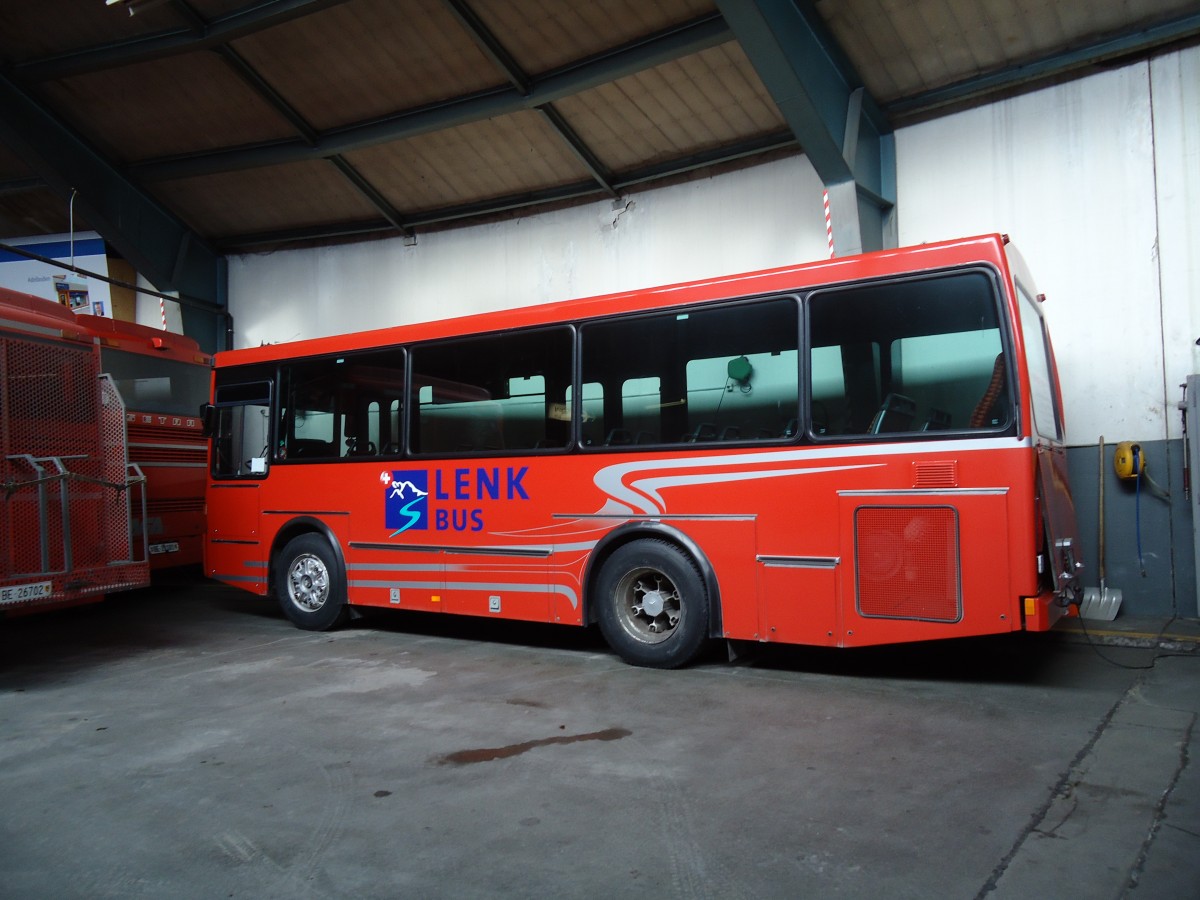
(1137, 506)
(183, 299)
(1120, 665)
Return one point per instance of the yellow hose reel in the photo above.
(1128, 460)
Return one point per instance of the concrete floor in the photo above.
(185, 741)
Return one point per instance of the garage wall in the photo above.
(1097, 180)
(769, 215)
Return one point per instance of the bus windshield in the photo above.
(151, 384)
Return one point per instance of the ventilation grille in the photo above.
(166, 507)
(146, 453)
(937, 473)
(906, 562)
(155, 433)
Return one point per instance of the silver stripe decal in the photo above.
(801, 562)
(929, 492)
(565, 591)
(654, 517)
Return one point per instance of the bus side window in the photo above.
(242, 438)
(916, 356)
(726, 373)
(493, 393)
(341, 406)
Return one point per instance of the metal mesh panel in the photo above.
(49, 410)
(63, 454)
(906, 562)
(114, 467)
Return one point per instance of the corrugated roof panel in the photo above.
(11, 165)
(542, 35)
(182, 104)
(36, 211)
(367, 59)
(701, 101)
(52, 27)
(266, 199)
(955, 30)
(904, 47)
(499, 157)
(214, 9)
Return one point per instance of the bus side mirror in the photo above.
(208, 416)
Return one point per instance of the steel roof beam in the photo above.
(579, 147)
(158, 245)
(221, 30)
(690, 37)
(495, 50)
(1181, 29)
(272, 97)
(778, 141)
(491, 46)
(844, 134)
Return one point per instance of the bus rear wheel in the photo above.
(653, 606)
(308, 582)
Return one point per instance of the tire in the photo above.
(309, 584)
(652, 605)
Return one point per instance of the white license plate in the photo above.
(19, 593)
(168, 547)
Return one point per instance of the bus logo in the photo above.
(406, 503)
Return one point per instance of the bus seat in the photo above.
(986, 407)
(937, 420)
(896, 414)
(731, 433)
(705, 431)
(618, 437)
(308, 448)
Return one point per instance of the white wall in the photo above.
(769, 215)
(1097, 181)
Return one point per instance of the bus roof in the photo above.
(145, 340)
(981, 249)
(25, 312)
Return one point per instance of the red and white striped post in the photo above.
(828, 225)
(162, 311)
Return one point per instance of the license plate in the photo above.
(168, 547)
(20, 593)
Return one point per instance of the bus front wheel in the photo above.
(653, 606)
(310, 588)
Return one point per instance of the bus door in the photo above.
(1054, 493)
(240, 462)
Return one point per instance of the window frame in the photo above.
(414, 384)
(999, 304)
(732, 303)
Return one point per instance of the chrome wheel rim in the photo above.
(308, 582)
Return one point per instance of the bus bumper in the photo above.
(1042, 611)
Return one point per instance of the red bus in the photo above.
(857, 451)
(164, 379)
(67, 534)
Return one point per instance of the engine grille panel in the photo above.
(907, 563)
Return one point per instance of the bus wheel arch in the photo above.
(308, 576)
(654, 595)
